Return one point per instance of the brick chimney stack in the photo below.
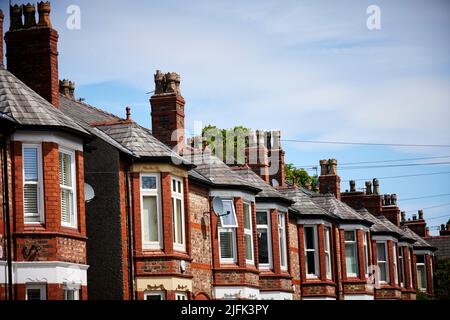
(32, 49)
(276, 156)
(329, 181)
(256, 155)
(418, 225)
(168, 111)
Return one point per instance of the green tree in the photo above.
(442, 279)
(300, 177)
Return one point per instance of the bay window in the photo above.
(366, 253)
(151, 211)
(351, 253)
(155, 295)
(382, 261)
(71, 294)
(248, 233)
(67, 182)
(311, 252)
(327, 232)
(282, 240)
(421, 272)
(178, 215)
(264, 242)
(401, 260)
(394, 257)
(227, 233)
(410, 266)
(33, 197)
(36, 291)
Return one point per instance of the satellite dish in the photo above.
(89, 193)
(275, 183)
(218, 206)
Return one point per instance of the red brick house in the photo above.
(45, 172)
(148, 229)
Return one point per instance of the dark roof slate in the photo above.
(420, 242)
(303, 203)
(28, 108)
(337, 208)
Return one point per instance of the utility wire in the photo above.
(376, 161)
(370, 143)
(432, 207)
(447, 215)
(395, 165)
(402, 176)
(425, 197)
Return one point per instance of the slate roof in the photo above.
(303, 203)
(28, 108)
(217, 172)
(442, 243)
(267, 191)
(337, 208)
(127, 136)
(420, 242)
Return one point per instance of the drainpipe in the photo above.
(335, 264)
(129, 233)
(7, 219)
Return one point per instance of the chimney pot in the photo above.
(44, 9)
(128, 112)
(368, 187)
(352, 186)
(387, 199)
(29, 13)
(376, 186)
(333, 166)
(420, 214)
(15, 13)
(414, 217)
(72, 89)
(442, 227)
(64, 87)
(394, 199)
(403, 215)
(323, 167)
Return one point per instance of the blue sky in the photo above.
(309, 68)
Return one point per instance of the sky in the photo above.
(312, 69)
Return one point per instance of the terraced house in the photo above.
(149, 227)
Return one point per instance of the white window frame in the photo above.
(424, 264)
(41, 286)
(266, 266)
(76, 293)
(225, 228)
(394, 258)
(249, 232)
(151, 245)
(181, 296)
(355, 249)
(282, 240)
(315, 250)
(161, 294)
(178, 195)
(74, 218)
(39, 183)
(410, 266)
(366, 252)
(327, 246)
(401, 259)
(386, 262)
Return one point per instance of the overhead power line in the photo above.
(432, 207)
(370, 143)
(402, 176)
(376, 161)
(395, 165)
(446, 215)
(426, 197)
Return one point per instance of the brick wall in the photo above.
(200, 240)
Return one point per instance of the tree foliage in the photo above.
(300, 177)
(442, 279)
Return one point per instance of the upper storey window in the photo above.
(33, 197)
(178, 215)
(248, 233)
(151, 211)
(227, 233)
(67, 182)
(311, 252)
(351, 253)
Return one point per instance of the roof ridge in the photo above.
(92, 107)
